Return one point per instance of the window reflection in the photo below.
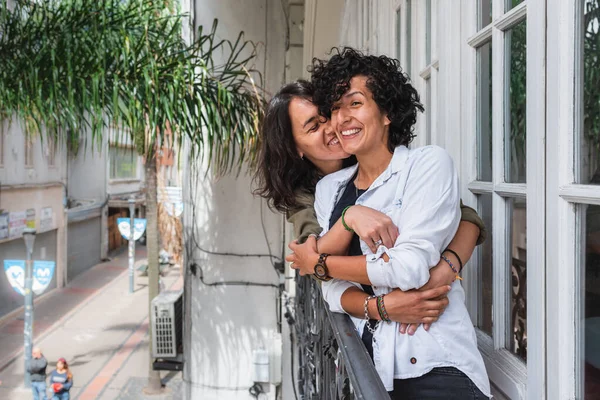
(517, 104)
(484, 111)
(592, 303)
(518, 278)
(589, 160)
(484, 319)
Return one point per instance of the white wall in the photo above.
(227, 322)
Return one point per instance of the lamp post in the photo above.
(29, 237)
(131, 242)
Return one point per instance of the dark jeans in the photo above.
(446, 383)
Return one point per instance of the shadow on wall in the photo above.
(229, 319)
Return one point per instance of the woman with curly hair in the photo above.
(298, 148)
(373, 109)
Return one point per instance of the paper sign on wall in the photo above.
(3, 226)
(46, 219)
(30, 218)
(16, 224)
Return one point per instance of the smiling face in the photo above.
(358, 122)
(314, 136)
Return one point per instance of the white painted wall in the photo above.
(226, 323)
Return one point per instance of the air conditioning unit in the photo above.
(167, 329)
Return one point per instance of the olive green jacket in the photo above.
(305, 221)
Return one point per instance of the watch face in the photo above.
(320, 271)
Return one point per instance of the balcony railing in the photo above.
(333, 362)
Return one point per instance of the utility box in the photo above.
(167, 324)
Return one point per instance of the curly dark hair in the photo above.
(391, 88)
(281, 173)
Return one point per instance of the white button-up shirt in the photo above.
(419, 191)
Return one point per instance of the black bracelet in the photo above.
(457, 257)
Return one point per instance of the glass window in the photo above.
(2, 130)
(123, 163)
(408, 68)
(398, 34)
(518, 278)
(484, 110)
(510, 4)
(427, 32)
(484, 319)
(484, 13)
(591, 322)
(589, 151)
(428, 119)
(28, 150)
(516, 104)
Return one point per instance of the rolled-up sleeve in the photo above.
(429, 215)
(334, 289)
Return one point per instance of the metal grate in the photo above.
(167, 323)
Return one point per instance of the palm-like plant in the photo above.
(72, 66)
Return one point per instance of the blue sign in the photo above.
(15, 272)
(139, 226)
(43, 271)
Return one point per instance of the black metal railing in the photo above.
(333, 363)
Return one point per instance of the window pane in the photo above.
(484, 13)
(589, 159)
(408, 37)
(591, 325)
(484, 319)
(398, 34)
(123, 163)
(510, 4)
(428, 32)
(518, 278)
(516, 105)
(484, 110)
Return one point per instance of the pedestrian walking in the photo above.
(37, 371)
(61, 380)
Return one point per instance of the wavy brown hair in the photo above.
(281, 173)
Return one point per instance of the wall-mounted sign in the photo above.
(139, 226)
(46, 219)
(16, 224)
(171, 198)
(43, 271)
(3, 226)
(30, 218)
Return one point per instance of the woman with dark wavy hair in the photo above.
(373, 109)
(298, 148)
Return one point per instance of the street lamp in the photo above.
(29, 237)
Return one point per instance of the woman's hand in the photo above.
(440, 275)
(304, 256)
(371, 226)
(416, 307)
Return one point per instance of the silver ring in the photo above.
(292, 265)
(378, 243)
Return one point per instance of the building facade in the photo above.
(509, 89)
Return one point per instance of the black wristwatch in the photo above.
(321, 271)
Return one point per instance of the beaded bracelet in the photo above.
(381, 309)
(443, 257)
(368, 325)
(346, 227)
(457, 257)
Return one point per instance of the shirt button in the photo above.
(413, 360)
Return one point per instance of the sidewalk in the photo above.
(98, 327)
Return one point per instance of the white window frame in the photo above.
(512, 376)
(565, 273)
